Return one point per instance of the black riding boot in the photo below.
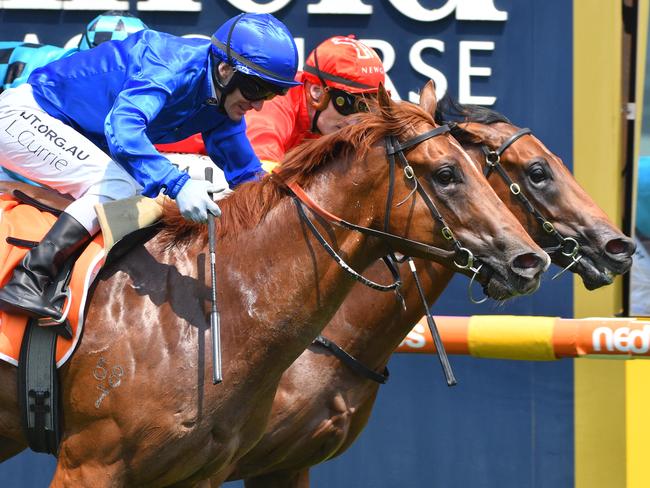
(24, 294)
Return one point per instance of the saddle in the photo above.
(26, 214)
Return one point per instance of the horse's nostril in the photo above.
(620, 246)
(527, 261)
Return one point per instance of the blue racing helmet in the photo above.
(109, 26)
(258, 45)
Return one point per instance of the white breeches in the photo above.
(45, 150)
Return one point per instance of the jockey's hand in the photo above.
(194, 200)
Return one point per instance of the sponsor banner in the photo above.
(533, 338)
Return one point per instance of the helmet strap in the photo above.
(321, 104)
(87, 39)
(225, 89)
(314, 123)
(230, 31)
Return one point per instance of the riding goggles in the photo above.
(255, 89)
(346, 103)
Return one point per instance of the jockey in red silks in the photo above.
(85, 125)
(338, 74)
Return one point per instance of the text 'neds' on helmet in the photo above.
(345, 63)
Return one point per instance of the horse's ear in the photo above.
(382, 97)
(428, 100)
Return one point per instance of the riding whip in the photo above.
(215, 320)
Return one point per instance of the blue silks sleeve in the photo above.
(231, 150)
(140, 100)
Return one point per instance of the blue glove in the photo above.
(194, 200)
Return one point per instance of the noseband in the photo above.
(568, 246)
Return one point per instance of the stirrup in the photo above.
(61, 325)
(64, 329)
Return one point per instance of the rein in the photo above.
(393, 148)
(351, 362)
(303, 199)
(568, 246)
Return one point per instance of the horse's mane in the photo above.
(450, 111)
(252, 201)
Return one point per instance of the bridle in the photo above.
(461, 257)
(394, 147)
(568, 246)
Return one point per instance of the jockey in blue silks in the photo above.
(86, 125)
(19, 59)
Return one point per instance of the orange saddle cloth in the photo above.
(22, 221)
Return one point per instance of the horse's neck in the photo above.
(370, 325)
(280, 284)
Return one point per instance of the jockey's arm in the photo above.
(125, 129)
(231, 151)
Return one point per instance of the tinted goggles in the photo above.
(346, 103)
(254, 89)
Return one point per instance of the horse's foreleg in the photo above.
(87, 467)
(95, 475)
(9, 448)
(283, 479)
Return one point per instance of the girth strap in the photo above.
(351, 362)
(38, 389)
(29, 200)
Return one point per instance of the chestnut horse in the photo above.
(322, 405)
(162, 422)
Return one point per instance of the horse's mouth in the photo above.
(596, 269)
(601, 254)
(503, 286)
(594, 275)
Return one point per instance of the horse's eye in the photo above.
(444, 176)
(537, 173)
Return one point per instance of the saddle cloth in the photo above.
(26, 222)
(21, 221)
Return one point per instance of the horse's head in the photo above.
(433, 193)
(560, 216)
